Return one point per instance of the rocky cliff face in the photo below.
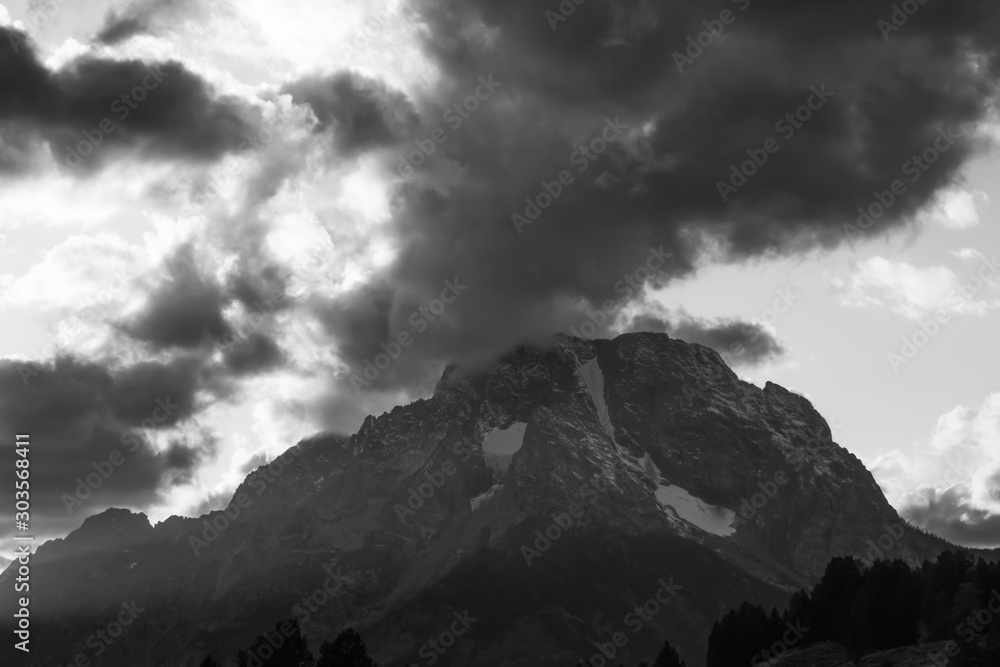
(633, 488)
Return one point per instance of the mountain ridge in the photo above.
(672, 448)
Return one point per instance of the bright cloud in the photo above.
(917, 293)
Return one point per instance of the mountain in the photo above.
(600, 495)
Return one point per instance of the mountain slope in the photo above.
(546, 497)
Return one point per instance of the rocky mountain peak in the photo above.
(580, 473)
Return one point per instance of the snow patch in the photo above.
(500, 445)
(482, 498)
(593, 379)
(710, 518)
(505, 441)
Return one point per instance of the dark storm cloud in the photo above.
(668, 139)
(184, 311)
(120, 28)
(360, 321)
(254, 354)
(138, 386)
(738, 342)
(362, 113)
(15, 148)
(257, 280)
(78, 413)
(137, 19)
(952, 516)
(648, 322)
(156, 109)
(182, 459)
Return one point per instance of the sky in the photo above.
(227, 226)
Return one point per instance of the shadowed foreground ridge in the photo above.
(544, 498)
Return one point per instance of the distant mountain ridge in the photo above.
(642, 460)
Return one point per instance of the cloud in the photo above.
(255, 280)
(738, 342)
(957, 208)
(916, 292)
(154, 17)
(184, 311)
(153, 109)
(360, 320)
(956, 473)
(254, 354)
(73, 273)
(518, 104)
(214, 501)
(120, 28)
(669, 138)
(138, 18)
(79, 412)
(952, 516)
(361, 113)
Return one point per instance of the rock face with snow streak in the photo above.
(546, 496)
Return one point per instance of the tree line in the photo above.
(291, 650)
(953, 603)
(955, 599)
